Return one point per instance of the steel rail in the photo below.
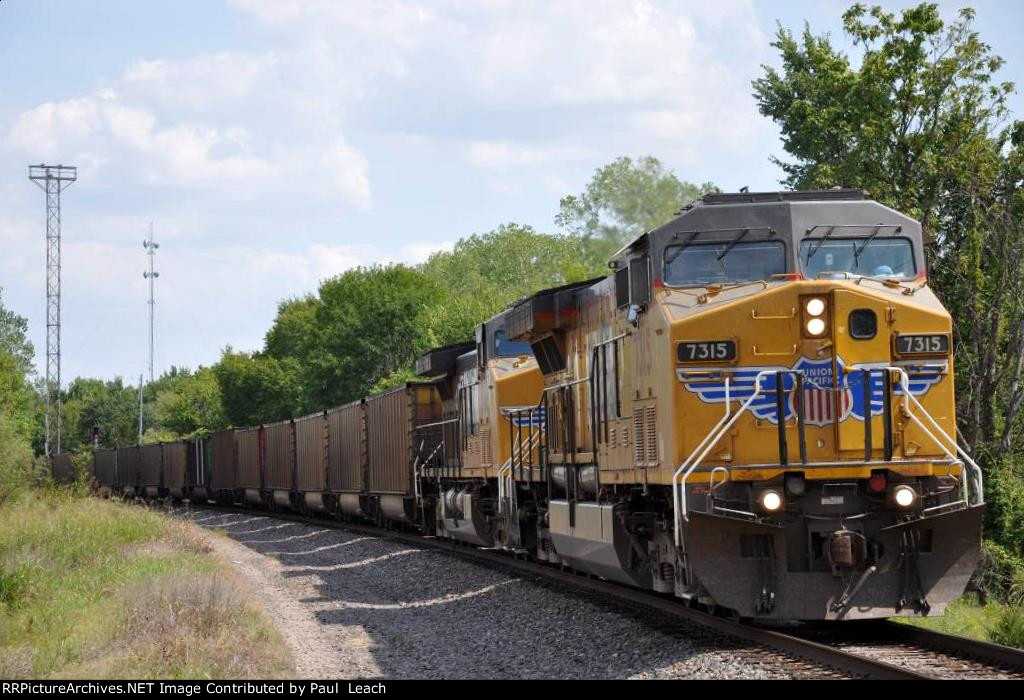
(986, 652)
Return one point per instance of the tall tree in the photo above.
(111, 406)
(257, 389)
(294, 332)
(18, 401)
(904, 121)
(14, 338)
(191, 404)
(372, 322)
(484, 273)
(623, 200)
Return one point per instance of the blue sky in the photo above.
(276, 143)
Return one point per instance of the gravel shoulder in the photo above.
(357, 606)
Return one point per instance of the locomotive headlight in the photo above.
(904, 496)
(816, 326)
(815, 306)
(770, 501)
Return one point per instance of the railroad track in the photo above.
(881, 650)
(934, 654)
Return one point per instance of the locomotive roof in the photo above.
(792, 215)
(785, 196)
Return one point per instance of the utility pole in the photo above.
(52, 179)
(150, 247)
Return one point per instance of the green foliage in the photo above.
(111, 406)
(921, 99)
(255, 388)
(365, 327)
(295, 331)
(14, 341)
(190, 405)
(623, 200)
(1004, 519)
(1000, 573)
(485, 273)
(1009, 629)
(371, 322)
(393, 380)
(18, 404)
(16, 461)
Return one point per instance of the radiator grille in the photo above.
(638, 436)
(652, 435)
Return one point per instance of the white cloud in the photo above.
(506, 154)
(506, 187)
(243, 125)
(348, 170)
(415, 253)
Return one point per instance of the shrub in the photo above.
(16, 463)
(1009, 629)
(1004, 491)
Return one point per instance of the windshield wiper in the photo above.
(857, 251)
(732, 244)
(860, 249)
(811, 252)
(678, 250)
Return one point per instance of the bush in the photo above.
(1004, 491)
(1009, 629)
(999, 575)
(17, 469)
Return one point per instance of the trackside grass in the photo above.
(98, 589)
(993, 622)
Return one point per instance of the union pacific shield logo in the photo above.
(824, 402)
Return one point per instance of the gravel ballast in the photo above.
(353, 605)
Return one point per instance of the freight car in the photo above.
(128, 470)
(753, 412)
(151, 468)
(62, 469)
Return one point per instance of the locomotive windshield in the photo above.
(723, 263)
(871, 257)
(503, 347)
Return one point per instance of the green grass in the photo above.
(95, 588)
(966, 617)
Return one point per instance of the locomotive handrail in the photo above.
(507, 501)
(979, 482)
(434, 425)
(690, 464)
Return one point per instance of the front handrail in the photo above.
(690, 463)
(979, 480)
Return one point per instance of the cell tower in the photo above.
(150, 247)
(52, 179)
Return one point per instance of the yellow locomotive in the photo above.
(754, 411)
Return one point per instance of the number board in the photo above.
(706, 351)
(931, 344)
